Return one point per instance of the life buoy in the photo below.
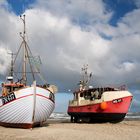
(103, 105)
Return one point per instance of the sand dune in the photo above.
(125, 130)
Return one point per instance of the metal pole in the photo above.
(34, 100)
(24, 52)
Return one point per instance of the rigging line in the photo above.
(29, 60)
(18, 52)
(27, 37)
(16, 57)
(30, 50)
(40, 75)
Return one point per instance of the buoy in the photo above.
(103, 105)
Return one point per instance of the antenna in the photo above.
(86, 76)
(84, 70)
(10, 77)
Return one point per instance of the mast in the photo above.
(27, 54)
(11, 74)
(86, 77)
(12, 65)
(24, 44)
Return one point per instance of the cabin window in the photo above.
(51, 96)
(75, 96)
(15, 88)
(87, 95)
(9, 89)
(81, 95)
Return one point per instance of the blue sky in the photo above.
(119, 7)
(19, 6)
(69, 33)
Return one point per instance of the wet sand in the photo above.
(64, 130)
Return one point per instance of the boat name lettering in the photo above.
(117, 101)
(8, 98)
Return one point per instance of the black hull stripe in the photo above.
(99, 117)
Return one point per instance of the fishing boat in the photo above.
(104, 104)
(23, 102)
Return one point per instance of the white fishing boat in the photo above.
(22, 104)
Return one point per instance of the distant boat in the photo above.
(21, 104)
(105, 104)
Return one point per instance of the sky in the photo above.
(105, 34)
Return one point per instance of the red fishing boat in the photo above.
(105, 104)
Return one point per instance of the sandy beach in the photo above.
(56, 130)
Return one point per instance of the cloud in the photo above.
(83, 12)
(4, 63)
(67, 47)
(137, 2)
(68, 34)
(124, 59)
(130, 23)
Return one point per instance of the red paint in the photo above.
(21, 125)
(27, 96)
(121, 107)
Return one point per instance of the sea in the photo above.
(64, 116)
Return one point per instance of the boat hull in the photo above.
(113, 111)
(27, 109)
(97, 117)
